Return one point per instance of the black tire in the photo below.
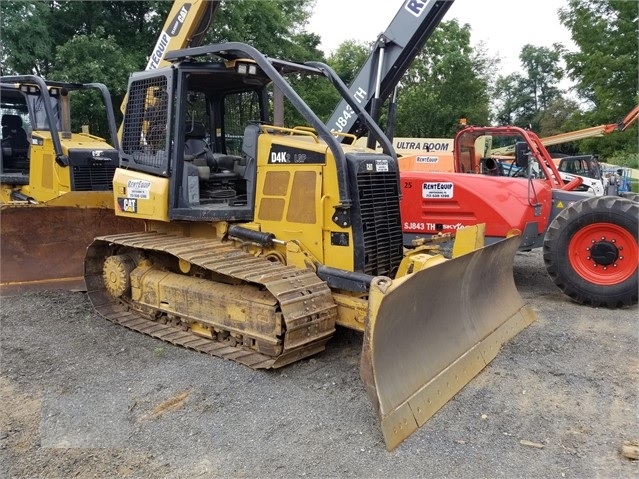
(631, 195)
(591, 252)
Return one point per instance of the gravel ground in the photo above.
(81, 397)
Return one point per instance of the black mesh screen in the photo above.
(145, 130)
(93, 178)
(382, 232)
(375, 213)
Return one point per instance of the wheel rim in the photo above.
(603, 253)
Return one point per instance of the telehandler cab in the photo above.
(260, 239)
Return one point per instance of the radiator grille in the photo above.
(381, 224)
(93, 178)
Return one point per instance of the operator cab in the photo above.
(41, 154)
(197, 124)
(582, 165)
(16, 129)
(483, 152)
(207, 151)
(191, 132)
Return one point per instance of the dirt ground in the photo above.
(81, 397)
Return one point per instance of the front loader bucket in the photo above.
(43, 247)
(431, 332)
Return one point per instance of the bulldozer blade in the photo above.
(43, 247)
(431, 332)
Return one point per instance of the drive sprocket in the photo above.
(116, 273)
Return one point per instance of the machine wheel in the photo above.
(591, 252)
(631, 195)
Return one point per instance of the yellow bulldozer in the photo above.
(55, 185)
(260, 239)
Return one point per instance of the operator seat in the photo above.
(13, 133)
(195, 143)
(15, 143)
(197, 151)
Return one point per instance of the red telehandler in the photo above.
(589, 243)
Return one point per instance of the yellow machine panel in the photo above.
(139, 195)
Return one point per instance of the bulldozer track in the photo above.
(305, 301)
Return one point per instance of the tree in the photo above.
(322, 97)
(95, 57)
(556, 116)
(605, 69)
(348, 59)
(276, 28)
(543, 73)
(33, 31)
(448, 80)
(525, 97)
(27, 42)
(105, 41)
(508, 91)
(562, 115)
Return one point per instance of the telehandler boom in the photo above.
(392, 54)
(260, 239)
(185, 26)
(591, 132)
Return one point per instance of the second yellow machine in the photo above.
(55, 181)
(261, 239)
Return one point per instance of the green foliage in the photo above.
(81, 41)
(33, 31)
(506, 89)
(556, 115)
(274, 27)
(605, 68)
(348, 59)
(447, 81)
(524, 98)
(543, 73)
(318, 93)
(28, 38)
(623, 158)
(94, 58)
(105, 41)
(616, 144)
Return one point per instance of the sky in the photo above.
(504, 26)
